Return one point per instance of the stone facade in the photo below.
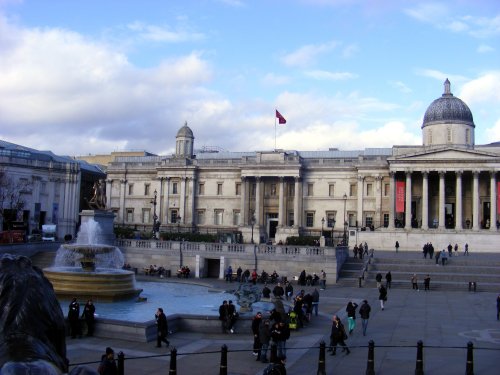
(448, 185)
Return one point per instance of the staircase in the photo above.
(483, 269)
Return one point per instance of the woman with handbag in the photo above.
(337, 336)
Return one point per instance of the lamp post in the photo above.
(322, 224)
(155, 217)
(252, 221)
(345, 222)
(333, 226)
(178, 224)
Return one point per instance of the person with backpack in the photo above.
(108, 363)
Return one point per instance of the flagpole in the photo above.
(274, 130)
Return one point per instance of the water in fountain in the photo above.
(89, 244)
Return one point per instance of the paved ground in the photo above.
(444, 320)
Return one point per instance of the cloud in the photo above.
(441, 17)
(307, 55)
(400, 86)
(330, 76)
(272, 79)
(441, 76)
(484, 48)
(484, 89)
(164, 33)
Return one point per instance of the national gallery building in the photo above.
(445, 190)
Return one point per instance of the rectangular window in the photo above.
(353, 190)
(236, 217)
(146, 215)
(309, 219)
(218, 217)
(387, 188)
(331, 190)
(174, 216)
(369, 190)
(130, 215)
(174, 188)
(147, 188)
(368, 220)
(201, 188)
(290, 219)
(24, 182)
(237, 188)
(219, 188)
(200, 217)
(330, 219)
(310, 190)
(130, 189)
(386, 220)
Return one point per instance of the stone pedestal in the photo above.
(105, 219)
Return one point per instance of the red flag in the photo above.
(281, 119)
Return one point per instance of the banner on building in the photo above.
(400, 196)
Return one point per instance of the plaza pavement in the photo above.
(444, 320)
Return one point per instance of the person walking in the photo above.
(364, 313)
(265, 338)
(338, 336)
(108, 363)
(223, 316)
(323, 280)
(414, 282)
(397, 246)
(388, 280)
(161, 328)
(89, 316)
(232, 316)
(378, 279)
(427, 282)
(257, 345)
(466, 249)
(351, 315)
(315, 301)
(382, 296)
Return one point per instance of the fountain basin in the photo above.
(103, 284)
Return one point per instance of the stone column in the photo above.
(475, 200)
(123, 191)
(159, 200)
(243, 202)
(425, 200)
(109, 186)
(258, 201)
(167, 200)
(191, 201)
(441, 200)
(296, 204)
(378, 200)
(182, 201)
(493, 201)
(392, 198)
(359, 212)
(458, 202)
(281, 208)
(408, 201)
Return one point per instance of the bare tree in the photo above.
(11, 195)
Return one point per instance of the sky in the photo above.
(96, 76)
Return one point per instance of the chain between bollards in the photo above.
(223, 360)
(419, 366)
(469, 369)
(121, 363)
(321, 361)
(370, 364)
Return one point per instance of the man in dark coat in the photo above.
(364, 313)
(162, 328)
(338, 335)
(88, 314)
(278, 291)
(382, 296)
(74, 318)
(231, 316)
(257, 345)
(223, 316)
(108, 363)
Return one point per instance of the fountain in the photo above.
(91, 268)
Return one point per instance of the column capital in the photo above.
(408, 172)
(378, 178)
(425, 173)
(243, 178)
(297, 178)
(441, 174)
(493, 174)
(281, 178)
(392, 174)
(475, 174)
(123, 181)
(459, 172)
(360, 178)
(258, 178)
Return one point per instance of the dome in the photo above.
(448, 109)
(185, 132)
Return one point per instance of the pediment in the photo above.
(449, 154)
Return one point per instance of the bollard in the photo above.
(419, 367)
(223, 360)
(121, 363)
(173, 362)
(469, 368)
(321, 361)
(274, 354)
(370, 364)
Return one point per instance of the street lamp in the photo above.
(322, 224)
(333, 226)
(156, 227)
(252, 221)
(178, 224)
(345, 222)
